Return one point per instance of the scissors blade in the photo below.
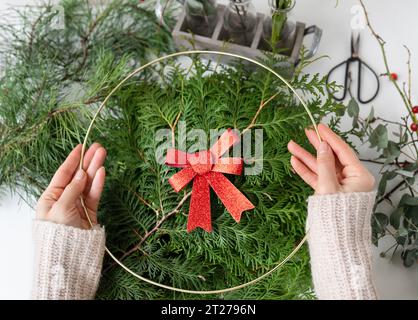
(355, 44)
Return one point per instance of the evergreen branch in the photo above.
(32, 132)
(40, 92)
(156, 227)
(32, 32)
(140, 198)
(260, 108)
(85, 42)
(165, 217)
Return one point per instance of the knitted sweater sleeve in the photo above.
(339, 240)
(68, 261)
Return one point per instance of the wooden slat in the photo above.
(219, 23)
(184, 39)
(258, 32)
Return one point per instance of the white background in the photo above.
(395, 21)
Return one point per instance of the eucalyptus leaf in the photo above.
(401, 240)
(195, 7)
(379, 137)
(209, 8)
(409, 258)
(375, 237)
(402, 232)
(409, 200)
(411, 213)
(405, 137)
(411, 166)
(410, 181)
(405, 173)
(370, 117)
(380, 221)
(388, 175)
(353, 108)
(382, 185)
(391, 152)
(395, 217)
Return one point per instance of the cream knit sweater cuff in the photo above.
(340, 245)
(68, 261)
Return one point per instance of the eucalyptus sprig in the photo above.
(397, 158)
(396, 145)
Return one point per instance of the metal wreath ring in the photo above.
(139, 69)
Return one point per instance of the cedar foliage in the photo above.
(52, 87)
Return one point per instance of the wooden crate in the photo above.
(184, 39)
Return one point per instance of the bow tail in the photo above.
(199, 212)
(234, 201)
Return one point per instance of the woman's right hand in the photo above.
(336, 167)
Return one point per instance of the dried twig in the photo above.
(156, 227)
(409, 74)
(392, 191)
(260, 108)
(385, 60)
(140, 198)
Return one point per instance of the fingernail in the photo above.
(323, 147)
(79, 175)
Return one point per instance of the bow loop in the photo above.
(205, 168)
(201, 162)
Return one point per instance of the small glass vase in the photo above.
(201, 16)
(278, 31)
(240, 21)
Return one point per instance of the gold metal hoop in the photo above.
(139, 69)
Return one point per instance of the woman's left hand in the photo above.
(60, 202)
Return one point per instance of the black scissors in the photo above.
(347, 80)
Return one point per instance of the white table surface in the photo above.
(396, 23)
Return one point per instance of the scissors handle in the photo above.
(360, 64)
(359, 79)
(345, 88)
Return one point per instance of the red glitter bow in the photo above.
(206, 168)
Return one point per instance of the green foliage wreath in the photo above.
(53, 84)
